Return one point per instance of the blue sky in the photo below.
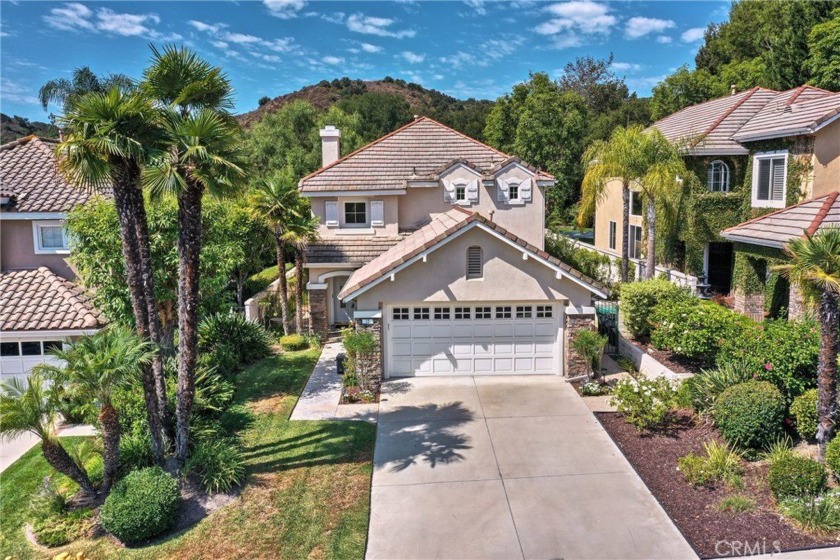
(473, 48)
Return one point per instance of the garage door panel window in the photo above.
(9, 349)
(400, 314)
(421, 313)
(30, 348)
(503, 312)
(442, 313)
(544, 312)
(524, 311)
(483, 313)
(462, 313)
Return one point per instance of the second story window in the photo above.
(717, 176)
(513, 191)
(355, 214)
(461, 193)
(769, 180)
(50, 237)
(635, 203)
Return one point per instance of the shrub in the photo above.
(213, 393)
(780, 351)
(141, 506)
(719, 463)
(638, 300)
(62, 528)
(219, 463)
(780, 449)
(593, 389)
(589, 345)
(705, 387)
(233, 341)
(736, 504)
(643, 402)
(797, 477)
(832, 456)
(819, 514)
(694, 328)
(593, 264)
(259, 281)
(804, 411)
(135, 452)
(750, 414)
(293, 342)
(359, 345)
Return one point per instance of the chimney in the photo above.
(330, 145)
(733, 89)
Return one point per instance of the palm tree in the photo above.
(64, 92)
(31, 408)
(277, 202)
(614, 159)
(815, 267)
(109, 138)
(301, 229)
(93, 367)
(202, 157)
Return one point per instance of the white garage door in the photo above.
(473, 339)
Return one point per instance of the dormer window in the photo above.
(513, 191)
(460, 193)
(717, 176)
(355, 214)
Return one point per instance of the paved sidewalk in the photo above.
(319, 399)
(12, 449)
(506, 467)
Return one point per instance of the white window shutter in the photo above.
(448, 191)
(331, 210)
(525, 190)
(377, 213)
(502, 191)
(472, 191)
(778, 187)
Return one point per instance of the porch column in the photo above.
(796, 303)
(577, 319)
(749, 278)
(318, 322)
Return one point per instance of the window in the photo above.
(717, 176)
(460, 192)
(30, 348)
(635, 203)
(50, 345)
(9, 349)
(513, 191)
(635, 242)
(400, 314)
(421, 313)
(50, 237)
(355, 213)
(475, 264)
(503, 312)
(545, 312)
(769, 180)
(524, 311)
(483, 313)
(442, 313)
(462, 312)
(612, 235)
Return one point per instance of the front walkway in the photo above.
(506, 467)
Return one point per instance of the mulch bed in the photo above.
(694, 509)
(677, 364)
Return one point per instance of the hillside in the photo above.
(12, 128)
(465, 115)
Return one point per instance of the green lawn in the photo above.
(307, 494)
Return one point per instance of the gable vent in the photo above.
(475, 262)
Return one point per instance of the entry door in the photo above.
(342, 311)
(721, 261)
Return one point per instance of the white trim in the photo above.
(347, 230)
(316, 286)
(39, 249)
(33, 215)
(44, 333)
(755, 202)
(322, 279)
(388, 192)
(516, 164)
(343, 226)
(422, 183)
(375, 314)
(790, 132)
(333, 265)
(753, 241)
(457, 165)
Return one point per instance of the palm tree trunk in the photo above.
(124, 182)
(189, 276)
(60, 460)
(827, 370)
(625, 228)
(299, 290)
(110, 423)
(650, 265)
(282, 286)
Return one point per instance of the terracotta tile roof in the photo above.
(791, 113)
(38, 300)
(29, 172)
(442, 226)
(778, 228)
(419, 150)
(349, 249)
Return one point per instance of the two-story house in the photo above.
(437, 240)
(40, 305)
(750, 153)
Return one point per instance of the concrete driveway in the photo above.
(506, 467)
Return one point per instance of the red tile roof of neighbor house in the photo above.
(38, 300)
(434, 232)
(778, 228)
(720, 126)
(419, 150)
(29, 174)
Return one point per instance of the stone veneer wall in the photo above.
(318, 323)
(576, 321)
(750, 305)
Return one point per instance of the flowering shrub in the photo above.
(644, 403)
(695, 328)
(593, 389)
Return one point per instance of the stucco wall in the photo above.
(610, 209)
(17, 249)
(827, 160)
(443, 277)
(390, 206)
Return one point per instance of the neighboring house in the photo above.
(749, 153)
(40, 305)
(435, 241)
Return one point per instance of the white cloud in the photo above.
(664, 39)
(14, 91)
(579, 16)
(337, 17)
(70, 17)
(206, 27)
(266, 57)
(478, 6)
(412, 58)
(626, 66)
(332, 60)
(219, 44)
(568, 41)
(492, 49)
(644, 82)
(286, 44)
(240, 38)
(459, 59)
(640, 26)
(284, 9)
(78, 17)
(126, 25)
(379, 26)
(368, 48)
(693, 34)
